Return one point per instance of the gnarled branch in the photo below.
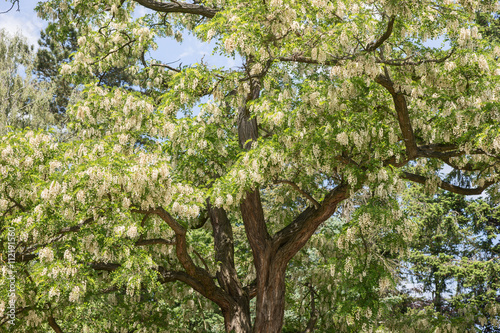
(447, 186)
(178, 7)
(401, 108)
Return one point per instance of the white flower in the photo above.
(126, 203)
(7, 151)
(74, 296)
(219, 201)
(132, 231)
(278, 117)
(210, 34)
(82, 40)
(229, 44)
(119, 230)
(483, 64)
(343, 139)
(80, 196)
(229, 199)
(68, 255)
(46, 254)
(54, 292)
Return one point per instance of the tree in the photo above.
(454, 260)
(24, 99)
(332, 100)
(57, 44)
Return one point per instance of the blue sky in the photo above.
(190, 51)
(24, 21)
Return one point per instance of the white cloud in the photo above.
(25, 21)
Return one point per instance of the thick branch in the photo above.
(178, 7)
(288, 241)
(101, 266)
(201, 220)
(171, 276)
(205, 284)
(251, 206)
(314, 313)
(402, 113)
(383, 38)
(255, 224)
(53, 324)
(251, 289)
(447, 186)
(224, 250)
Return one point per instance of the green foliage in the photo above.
(24, 99)
(454, 259)
(195, 195)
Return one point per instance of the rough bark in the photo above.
(178, 7)
(270, 302)
(237, 314)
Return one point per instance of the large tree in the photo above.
(332, 99)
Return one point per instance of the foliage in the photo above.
(24, 100)
(57, 45)
(200, 190)
(453, 263)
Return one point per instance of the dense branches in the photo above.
(334, 108)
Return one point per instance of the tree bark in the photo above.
(237, 314)
(270, 303)
(237, 317)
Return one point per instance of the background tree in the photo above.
(57, 45)
(332, 100)
(454, 262)
(24, 100)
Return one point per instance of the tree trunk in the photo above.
(237, 314)
(270, 303)
(237, 317)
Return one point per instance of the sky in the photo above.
(24, 21)
(190, 51)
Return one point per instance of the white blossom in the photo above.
(74, 295)
(132, 232)
(343, 139)
(46, 254)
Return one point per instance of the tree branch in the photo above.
(407, 62)
(154, 241)
(13, 4)
(224, 251)
(102, 266)
(251, 289)
(383, 38)
(204, 281)
(53, 324)
(314, 313)
(178, 7)
(298, 57)
(298, 189)
(447, 186)
(75, 228)
(401, 108)
(289, 240)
